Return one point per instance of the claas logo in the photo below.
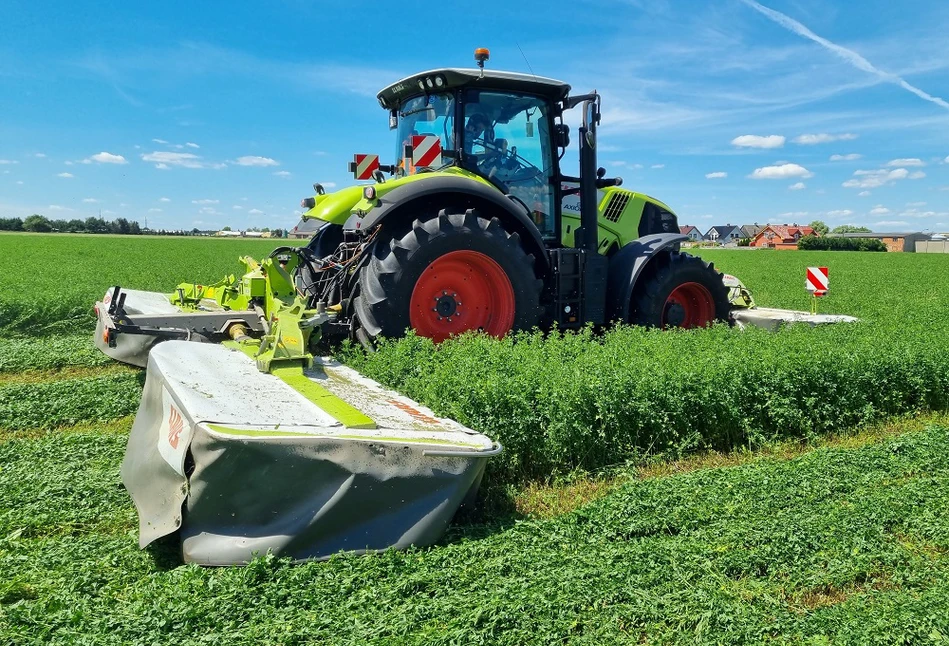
(175, 426)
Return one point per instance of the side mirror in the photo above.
(591, 117)
(600, 172)
(561, 135)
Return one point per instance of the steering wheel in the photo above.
(507, 165)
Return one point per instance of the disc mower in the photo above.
(474, 226)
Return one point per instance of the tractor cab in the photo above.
(498, 125)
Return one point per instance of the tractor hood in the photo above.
(334, 207)
(364, 205)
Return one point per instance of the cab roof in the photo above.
(390, 97)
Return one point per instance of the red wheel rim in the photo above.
(689, 305)
(460, 291)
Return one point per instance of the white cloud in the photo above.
(912, 161)
(283, 173)
(90, 200)
(165, 160)
(879, 209)
(237, 207)
(39, 155)
(243, 199)
(154, 210)
(758, 141)
(848, 55)
(328, 184)
(892, 223)
(822, 138)
(191, 144)
(253, 160)
(840, 213)
(164, 199)
(946, 160)
(917, 175)
(915, 204)
(57, 207)
(658, 166)
(875, 178)
(68, 163)
(209, 210)
(205, 201)
(123, 204)
(849, 157)
(863, 193)
(781, 172)
(105, 158)
(8, 161)
(66, 175)
(798, 187)
(19, 181)
(256, 212)
(719, 174)
(159, 141)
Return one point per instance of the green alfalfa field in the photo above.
(713, 486)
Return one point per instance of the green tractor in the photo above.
(247, 442)
(476, 227)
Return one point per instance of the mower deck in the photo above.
(243, 462)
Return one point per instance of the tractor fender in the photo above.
(408, 198)
(626, 266)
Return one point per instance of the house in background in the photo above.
(694, 234)
(781, 236)
(727, 234)
(750, 230)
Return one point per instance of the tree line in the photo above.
(41, 224)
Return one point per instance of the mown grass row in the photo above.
(23, 354)
(563, 402)
(50, 404)
(837, 546)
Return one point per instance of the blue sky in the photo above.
(211, 114)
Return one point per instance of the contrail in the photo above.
(848, 55)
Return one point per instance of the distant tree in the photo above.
(37, 224)
(277, 233)
(224, 229)
(97, 225)
(59, 225)
(75, 226)
(11, 224)
(820, 227)
(134, 229)
(849, 228)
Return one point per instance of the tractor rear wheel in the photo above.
(679, 290)
(449, 273)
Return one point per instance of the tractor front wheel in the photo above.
(679, 290)
(449, 273)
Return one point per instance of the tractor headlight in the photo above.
(421, 85)
(440, 81)
(369, 192)
(308, 202)
(429, 82)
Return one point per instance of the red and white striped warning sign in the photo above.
(426, 150)
(364, 166)
(818, 280)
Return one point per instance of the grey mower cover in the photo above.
(241, 463)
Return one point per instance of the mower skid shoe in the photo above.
(129, 348)
(242, 462)
(773, 319)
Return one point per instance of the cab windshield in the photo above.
(433, 114)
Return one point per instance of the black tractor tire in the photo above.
(679, 290)
(469, 272)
